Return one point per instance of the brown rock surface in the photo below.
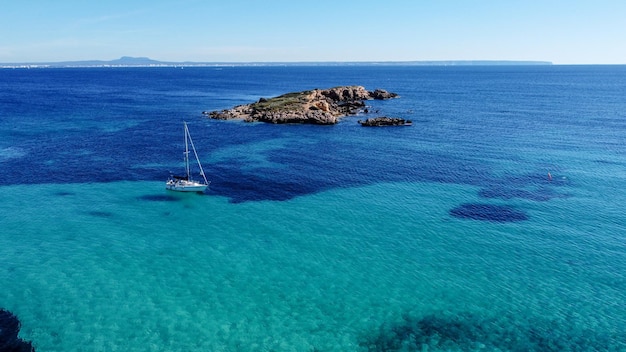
(317, 106)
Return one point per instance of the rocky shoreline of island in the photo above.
(317, 106)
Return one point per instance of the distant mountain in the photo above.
(128, 61)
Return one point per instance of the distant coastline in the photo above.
(127, 61)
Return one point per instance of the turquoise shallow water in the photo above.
(494, 223)
(128, 266)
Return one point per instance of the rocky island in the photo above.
(317, 106)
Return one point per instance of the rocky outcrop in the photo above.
(317, 106)
(385, 121)
(9, 328)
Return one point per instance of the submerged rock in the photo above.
(9, 329)
(317, 106)
(465, 331)
(385, 121)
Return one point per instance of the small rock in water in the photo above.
(385, 121)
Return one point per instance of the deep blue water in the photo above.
(538, 148)
(99, 125)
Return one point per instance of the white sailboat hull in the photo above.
(185, 186)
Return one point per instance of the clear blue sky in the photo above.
(564, 32)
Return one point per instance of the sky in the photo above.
(560, 31)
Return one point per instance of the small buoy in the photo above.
(549, 176)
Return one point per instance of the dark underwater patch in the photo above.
(470, 332)
(488, 212)
(158, 198)
(9, 329)
(241, 188)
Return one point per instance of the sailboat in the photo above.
(186, 183)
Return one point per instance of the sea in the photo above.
(495, 222)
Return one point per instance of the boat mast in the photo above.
(187, 152)
(193, 147)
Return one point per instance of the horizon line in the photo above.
(128, 61)
(145, 61)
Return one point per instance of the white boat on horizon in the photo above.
(185, 183)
